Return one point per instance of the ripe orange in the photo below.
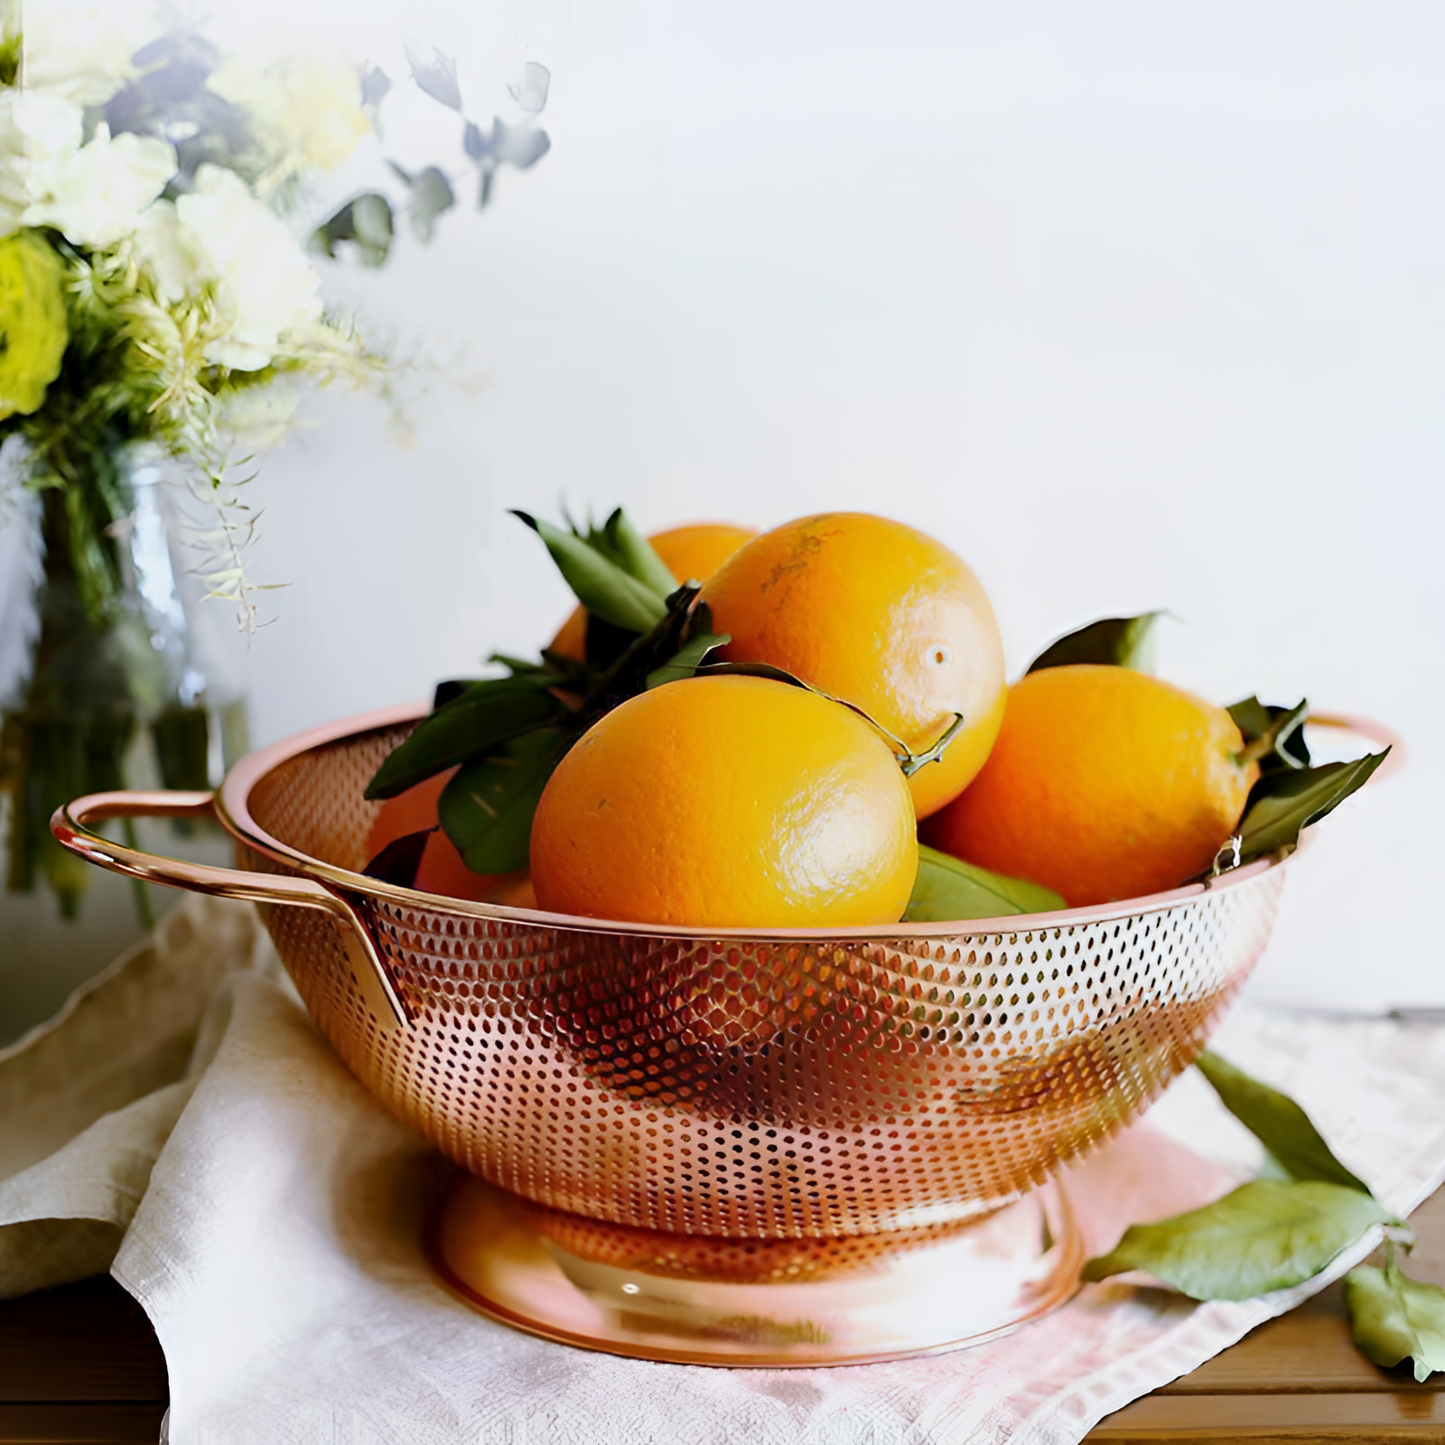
(727, 802)
(691, 553)
(879, 614)
(441, 869)
(1104, 784)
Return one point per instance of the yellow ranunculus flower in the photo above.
(33, 329)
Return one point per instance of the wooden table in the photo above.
(81, 1363)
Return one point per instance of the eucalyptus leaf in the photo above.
(600, 585)
(530, 92)
(1285, 802)
(520, 146)
(1278, 1123)
(1395, 1318)
(636, 557)
(1111, 642)
(375, 86)
(1264, 1236)
(486, 714)
(431, 195)
(685, 662)
(486, 810)
(434, 73)
(947, 888)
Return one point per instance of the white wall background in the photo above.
(1133, 304)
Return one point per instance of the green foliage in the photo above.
(947, 888)
(1264, 1236)
(486, 809)
(1278, 1123)
(1286, 801)
(1110, 642)
(1396, 1318)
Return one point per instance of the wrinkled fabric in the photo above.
(277, 1247)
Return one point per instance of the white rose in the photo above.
(264, 284)
(306, 110)
(94, 194)
(82, 51)
(169, 253)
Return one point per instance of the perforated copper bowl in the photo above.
(766, 1084)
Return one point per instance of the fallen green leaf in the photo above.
(686, 661)
(1112, 641)
(1278, 1123)
(486, 810)
(1285, 802)
(486, 714)
(600, 584)
(1264, 1236)
(948, 888)
(1394, 1318)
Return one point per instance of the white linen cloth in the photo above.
(275, 1242)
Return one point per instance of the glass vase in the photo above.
(146, 690)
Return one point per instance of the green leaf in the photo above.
(948, 888)
(1111, 642)
(1262, 1237)
(1273, 735)
(1394, 1317)
(1278, 1123)
(686, 661)
(486, 714)
(486, 810)
(599, 583)
(635, 555)
(1284, 802)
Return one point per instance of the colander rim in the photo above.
(232, 807)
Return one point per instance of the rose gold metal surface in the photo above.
(70, 826)
(694, 1300)
(722, 1085)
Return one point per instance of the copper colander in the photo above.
(737, 1085)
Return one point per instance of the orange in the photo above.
(1104, 784)
(881, 615)
(442, 869)
(727, 802)
(691, 553)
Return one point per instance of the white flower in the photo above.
(94, 194)
(265, 286)
(82, 50)
(305, 111)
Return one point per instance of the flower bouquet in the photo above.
(162, 311)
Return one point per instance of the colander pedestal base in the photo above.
(755, 1303)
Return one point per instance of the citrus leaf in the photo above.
(636, 557)
(1278, 1123)
(1264, 1236)
(1285, 802)
(486, 714)
(599, 583)
(486, 810)
(685, 662)
(1394, 1317)
(947, 889)
(1111, 641)
(1274, 736)
(398, 861)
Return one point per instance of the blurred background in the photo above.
(1134, 306)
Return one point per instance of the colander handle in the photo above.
(70, 826)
